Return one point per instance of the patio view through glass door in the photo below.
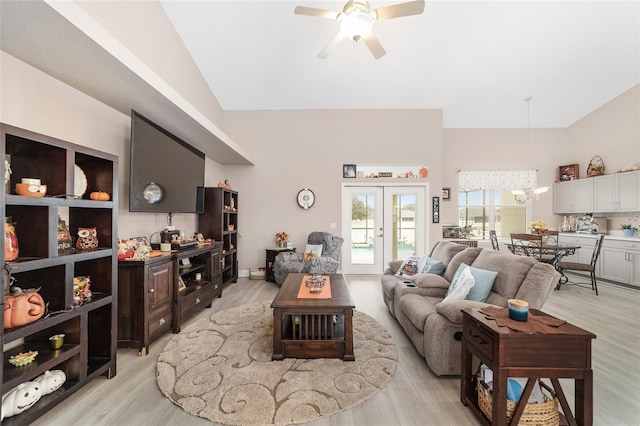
(381, 223)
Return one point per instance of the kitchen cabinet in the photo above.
(575, 196)
(620, 261)
(70, 172)
(616, 192)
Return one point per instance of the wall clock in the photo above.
(306, 198)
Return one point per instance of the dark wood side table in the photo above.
(271, 257)
(515, 354)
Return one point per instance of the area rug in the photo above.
(220, 368)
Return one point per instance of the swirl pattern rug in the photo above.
(220, 368)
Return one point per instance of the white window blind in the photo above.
(469, 180)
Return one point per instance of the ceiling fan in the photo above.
(356, 21)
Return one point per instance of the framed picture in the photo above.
(446, 193)
(435, 210)
(568, 172)
(348, 170)
(181, 285)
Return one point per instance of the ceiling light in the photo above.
(356, 24)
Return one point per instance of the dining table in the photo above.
(553, 252)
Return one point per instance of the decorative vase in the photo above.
(628, 232)
(282, 244)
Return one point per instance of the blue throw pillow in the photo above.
(484, 282)
(433, 267)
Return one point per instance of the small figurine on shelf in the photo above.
(225, 185)
(81, 292)
(87, 239)
(20, 399)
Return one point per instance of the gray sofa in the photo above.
(435, 328)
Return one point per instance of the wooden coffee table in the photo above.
(313, 328)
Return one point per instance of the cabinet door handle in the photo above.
(152, 290)
(197, 300)
(162, 321)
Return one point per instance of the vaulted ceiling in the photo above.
(475, 60)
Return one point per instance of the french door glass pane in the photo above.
(362, 229)
(404, 226)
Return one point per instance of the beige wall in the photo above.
(300, 149)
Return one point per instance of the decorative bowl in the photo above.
(23, 358)
(30, 190)
(315, 283)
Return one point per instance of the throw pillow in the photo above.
(460, 286)
(311, 251)
(411, 266)
(433, 267)
(483, 282)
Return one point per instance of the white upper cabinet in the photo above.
(575, 196)
(617, 192)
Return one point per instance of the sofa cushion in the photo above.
(417, 308)
(468, 256)
(512, 270)
(453, 310)
(444, 251)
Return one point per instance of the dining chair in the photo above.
(525, 244)
(584, 267)
(494, 239)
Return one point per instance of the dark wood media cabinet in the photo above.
(151, 301)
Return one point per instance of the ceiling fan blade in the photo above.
(331, 45)
(374, 45)
(398, 10)
(311, 11)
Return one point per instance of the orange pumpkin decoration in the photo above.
(22, 307)
(100, 196)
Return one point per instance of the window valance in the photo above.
(469, 180)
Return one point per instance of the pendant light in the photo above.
(524, 194)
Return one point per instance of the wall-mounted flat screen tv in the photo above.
(167, 173)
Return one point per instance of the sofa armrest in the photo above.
(453, 310)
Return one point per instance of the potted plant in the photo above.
(628, 230)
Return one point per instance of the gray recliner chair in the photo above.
(327, 263)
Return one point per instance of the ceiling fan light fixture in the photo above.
(356, 24)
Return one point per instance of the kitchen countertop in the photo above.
(608, 236)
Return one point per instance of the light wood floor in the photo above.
(414, 396)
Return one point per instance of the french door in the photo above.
(381, 223)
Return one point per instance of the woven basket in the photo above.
(596, 167)
(542, 414)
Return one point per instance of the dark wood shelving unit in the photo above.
(220, 222)
(90, 328)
